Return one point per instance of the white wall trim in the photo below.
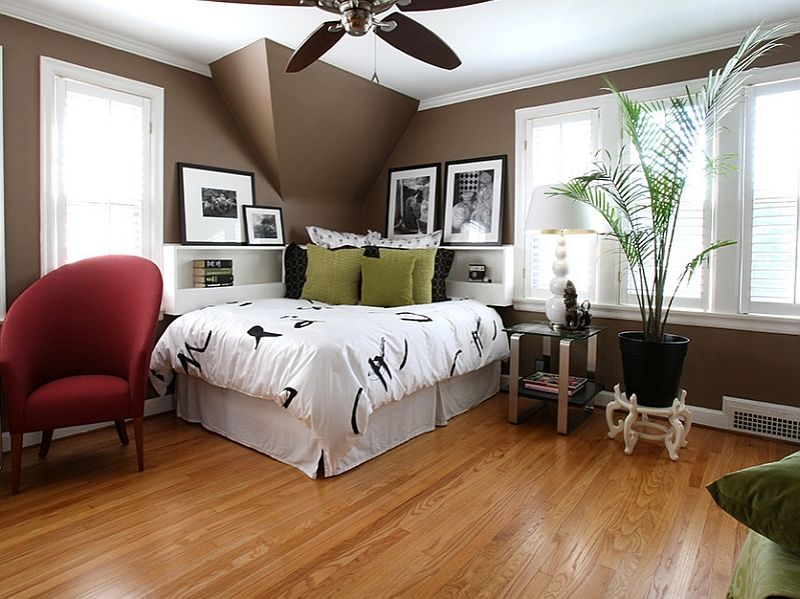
(721, 42)
(20, 10)
(156, 405)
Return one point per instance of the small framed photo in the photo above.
(264, 226)
(212, 204)
(473, 203)
(413, 197)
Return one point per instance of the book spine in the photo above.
(213, 263)
(202, 272)
(204, 285)
(206, 279)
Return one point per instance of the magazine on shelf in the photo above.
(548, 382)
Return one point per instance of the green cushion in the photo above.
(332, 276)
(424, 267)
(387, 282)
(765, 498)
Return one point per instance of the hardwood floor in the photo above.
(479, 508)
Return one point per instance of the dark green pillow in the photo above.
(332, 276)
(765, 498)
(387, 282)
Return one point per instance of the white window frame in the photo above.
(51, 70)
(725, 286)
(791, 80)
(605, 291)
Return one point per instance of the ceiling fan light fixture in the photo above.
(357, 21)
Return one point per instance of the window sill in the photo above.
(786, 325)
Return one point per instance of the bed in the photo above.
(324, 386)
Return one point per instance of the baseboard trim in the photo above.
(701, 416)
(155, 405)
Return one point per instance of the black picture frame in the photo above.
(413, 199)
(473, 203)
(263, 225)
(212, 204)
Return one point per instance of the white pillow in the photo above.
(411, 242)
(334, 239)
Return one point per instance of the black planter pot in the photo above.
(652, 370)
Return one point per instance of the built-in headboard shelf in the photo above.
(257, 273)
(499, 261)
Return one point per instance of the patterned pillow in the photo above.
(333, 239)
(442, 263)
(417, 241)
(441, 269)
(332, 276)
(295, 261)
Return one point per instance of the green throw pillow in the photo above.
(424, 267)
(332, 276)
(765, 498)
(387, 282)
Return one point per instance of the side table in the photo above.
(518, 394)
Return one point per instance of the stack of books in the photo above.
(548, 382)
(213, 273)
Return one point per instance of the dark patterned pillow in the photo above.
(295, 261)
(441, 270)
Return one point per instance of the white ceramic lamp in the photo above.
(559, 215)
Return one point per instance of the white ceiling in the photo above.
(503, 44)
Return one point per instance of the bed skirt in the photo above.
(263, 425)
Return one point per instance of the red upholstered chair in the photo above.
(75, 349)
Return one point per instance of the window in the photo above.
(756, 203)
(772, 191)
(102, 165)
(556, 148)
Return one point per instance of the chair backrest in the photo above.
(94, 316)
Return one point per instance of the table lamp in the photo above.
(562, 216)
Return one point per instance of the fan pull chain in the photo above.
(375, 60)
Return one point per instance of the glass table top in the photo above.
(543, 329)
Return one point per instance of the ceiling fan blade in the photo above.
(418, 41)
(436, 4)
(265, 2)
(315, 45)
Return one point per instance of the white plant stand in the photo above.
(638, 422)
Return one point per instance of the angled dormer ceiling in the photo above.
(322, 133)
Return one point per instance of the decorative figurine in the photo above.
(577, 318)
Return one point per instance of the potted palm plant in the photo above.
(640, 201)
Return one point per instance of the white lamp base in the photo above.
(555, 309)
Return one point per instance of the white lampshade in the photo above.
(559, 215)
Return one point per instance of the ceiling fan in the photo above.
(358, 17)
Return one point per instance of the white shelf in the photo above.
(499, 261)
(257, 273)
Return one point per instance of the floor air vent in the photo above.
(769, 420)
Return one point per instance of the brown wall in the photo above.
(199, 129)
(720, 362)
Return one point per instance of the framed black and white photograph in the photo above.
(212, 204)
(413, 197)
(473, 201)
(264, 226)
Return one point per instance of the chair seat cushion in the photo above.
(74, 400)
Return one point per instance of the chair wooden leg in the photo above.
(16, 461)
(44, 446)
(122, 431)
(138, 432)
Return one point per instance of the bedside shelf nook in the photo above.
(257, 273)
(499, 261)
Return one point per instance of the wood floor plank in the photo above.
(479, 508)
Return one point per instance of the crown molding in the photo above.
(721, 42)
(19, 10)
